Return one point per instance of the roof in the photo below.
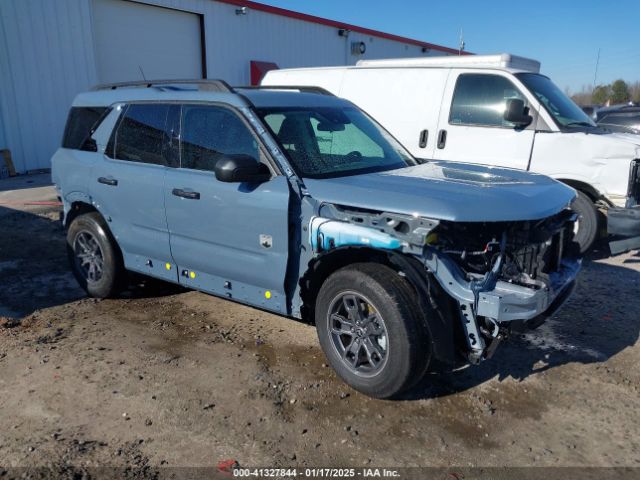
(289, 98)
(261, 7)
(181, 91)
(502, 61)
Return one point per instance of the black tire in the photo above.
(91, 229)
(387, 295)
(587, 229)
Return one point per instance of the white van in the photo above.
(496, 110)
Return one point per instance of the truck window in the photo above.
(481, 100)
(81, 123)
(624, 119)
(140, 135)
(210, 132)
(563, 110)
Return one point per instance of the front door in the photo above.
(230, 239)
(471, 127)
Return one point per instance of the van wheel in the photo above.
(586, 226)
(94, 257)
(368, 323)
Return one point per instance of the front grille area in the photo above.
(533, 249)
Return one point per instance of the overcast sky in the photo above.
(564, 35)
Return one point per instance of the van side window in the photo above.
(140, 136)
(81, 123)
(210, 132)
(481, 100)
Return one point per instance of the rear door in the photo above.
(128, 188)
(229, 239)
(471, 127)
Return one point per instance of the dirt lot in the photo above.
(165, 377)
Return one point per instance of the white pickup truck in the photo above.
(497, 110)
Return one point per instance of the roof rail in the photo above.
(301, 88)
(203, 84)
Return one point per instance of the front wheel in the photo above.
(370, 329)
(586, 226)
(94, 257)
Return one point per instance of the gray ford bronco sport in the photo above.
(295, 201)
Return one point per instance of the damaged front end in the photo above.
(503, 276)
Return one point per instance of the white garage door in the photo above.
(131, 38)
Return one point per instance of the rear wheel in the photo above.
(370, 329)
(586, 226)
(94, 257)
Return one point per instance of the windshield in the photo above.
(324, 142)
(561, 107)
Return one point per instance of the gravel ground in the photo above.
(163, 377)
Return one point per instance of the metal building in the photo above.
(51, 50)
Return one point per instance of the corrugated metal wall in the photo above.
(47, 57)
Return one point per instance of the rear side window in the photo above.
(140, 136)
(81, 123)
(481, 100)
(210, 132)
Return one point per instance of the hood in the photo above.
(449, 191)
(632, 138)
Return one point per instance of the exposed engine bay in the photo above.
(532, 249)
(503, 275)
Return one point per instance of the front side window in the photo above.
(211, 132)
(323, 142)
(140, 136)
(563, 110)
(481, 100)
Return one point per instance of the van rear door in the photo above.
(471, 126)
(404, 100)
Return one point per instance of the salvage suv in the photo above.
(295, 201)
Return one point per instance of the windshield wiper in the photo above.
(579, 124)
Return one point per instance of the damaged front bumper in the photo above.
(624, 225)
(499, 302)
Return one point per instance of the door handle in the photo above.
(108, 181)
(424, 138)
(442, 139)
(178, 192)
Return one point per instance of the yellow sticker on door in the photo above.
(267, 294)
(192, 274)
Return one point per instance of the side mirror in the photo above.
(89, 145)
(241, 169)
(517, 113)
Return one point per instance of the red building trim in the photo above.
(332, 23)
(259, 70)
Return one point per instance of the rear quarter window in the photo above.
(81, 123)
